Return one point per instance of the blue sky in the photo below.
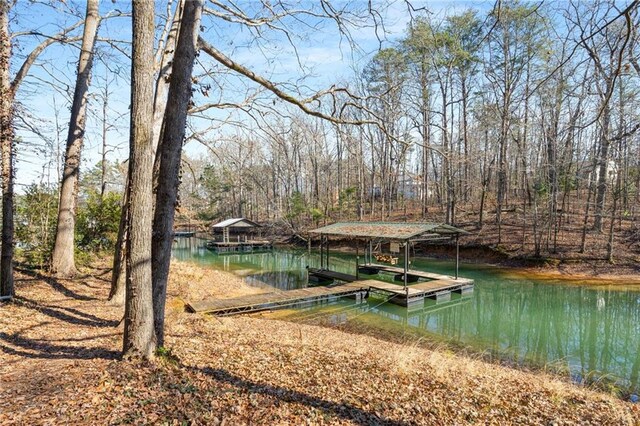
(320, 58)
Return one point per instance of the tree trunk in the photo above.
(7, 153)
(62, 258)
(170, 151)
(118, 280)
(426, 135)
(485, 178)
(139, 338)
(164, 74)
(103, 160)
(614, 211)
(161, 89)
(465, 136)
(502, 172)
(603, 162)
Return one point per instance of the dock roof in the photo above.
(238, 222)
(390, 230)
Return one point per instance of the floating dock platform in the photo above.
(435, 286)
(326, 276)
(413, 296)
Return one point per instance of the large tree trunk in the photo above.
(7, 153)
(170, 150)
(426, 134)
(62, 259)
(118, 281)
(139, 338)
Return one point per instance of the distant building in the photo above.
(586, 170)
(408, 187)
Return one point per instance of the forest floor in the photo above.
(60, 343)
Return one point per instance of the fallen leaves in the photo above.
(55, 368)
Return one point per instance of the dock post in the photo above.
(357, 261)
(324, 248)
(327, 253)
(406, 263)
(457, 254)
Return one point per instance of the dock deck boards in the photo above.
(257, 302)
(416, 273)
(397, 294)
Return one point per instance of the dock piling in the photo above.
(457, 255)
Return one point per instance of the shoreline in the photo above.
(571, 272)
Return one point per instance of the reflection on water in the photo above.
(584, 331)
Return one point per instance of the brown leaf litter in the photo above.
(59, 364)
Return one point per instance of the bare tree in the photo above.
(169, 154)
(63, 258)
(8, 89)
(608, 52)
(139, 336)
(6, 150)
(163, 63)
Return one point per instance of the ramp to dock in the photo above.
(411, 296)
(274, 300)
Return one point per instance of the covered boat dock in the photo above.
(245, 242)
(401, 236)
(417, 284)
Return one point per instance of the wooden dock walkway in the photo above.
(274, 300)
(412, 297)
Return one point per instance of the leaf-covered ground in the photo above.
(59, 364)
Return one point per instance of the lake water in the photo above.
(591, 332)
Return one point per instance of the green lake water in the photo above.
(591, 333)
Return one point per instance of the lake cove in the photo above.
(588, 332)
